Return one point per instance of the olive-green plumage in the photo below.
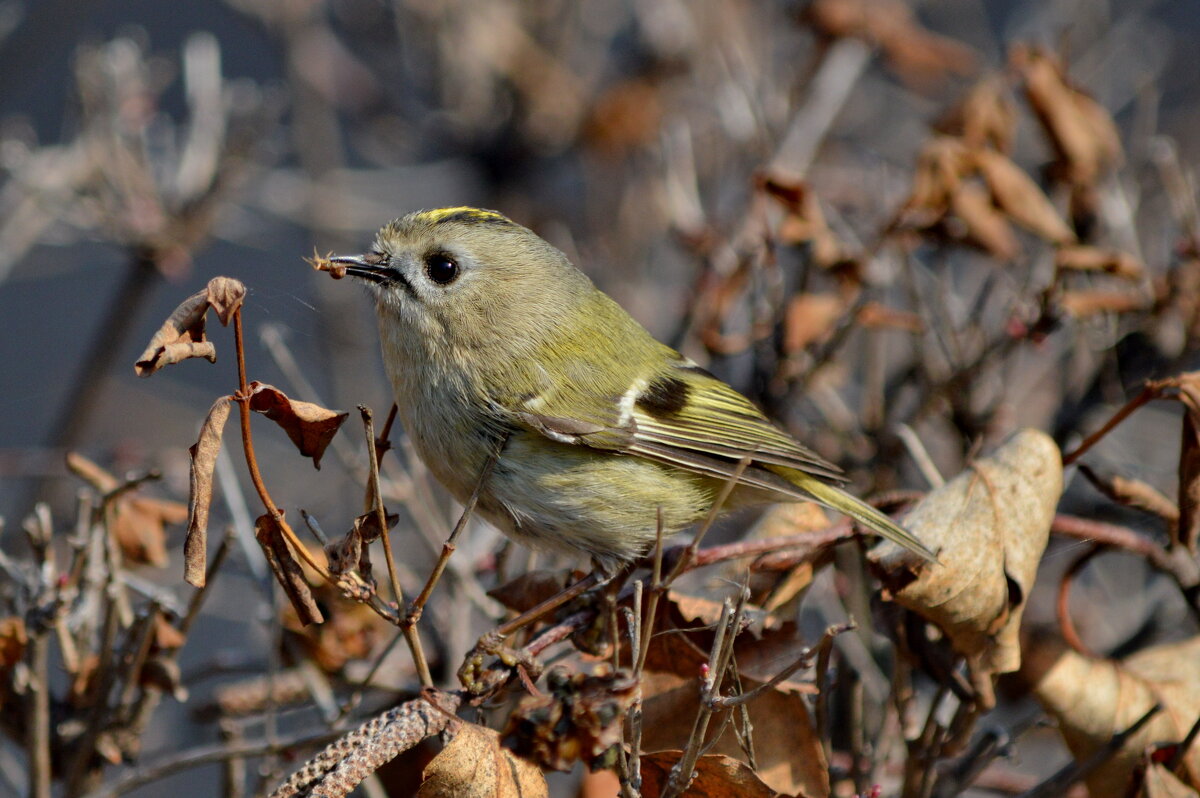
(490, 334)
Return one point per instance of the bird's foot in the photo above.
(472, 674)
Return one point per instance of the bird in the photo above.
(503, 355)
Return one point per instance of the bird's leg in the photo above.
(492, 643)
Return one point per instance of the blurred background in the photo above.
(664, 145)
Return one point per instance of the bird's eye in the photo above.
(441, 269)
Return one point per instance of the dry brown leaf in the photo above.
(1186, 533)
(1080, 130)
(136, 522)
(139, 526)
(985, 226)
(804, 221)
(1015, 193)
(475, 765)
(311, 427)
(770, 590)
(1162, 783)
(351, 629)
(787, 750)
(717, 776)
(181, 337)
(1084, 258)
(1093, 699)
(1133, 493)
(989, 526)
(287, 570)
(166, 636)
(579, 718)
(985, 117)
(226, 296)
(809, 318)
(624, 117)
(529, 589)
(1084, 304)
(13, 640)
(940, 167)
(204, 461)
(917, 54)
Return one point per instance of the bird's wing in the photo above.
(683, 416)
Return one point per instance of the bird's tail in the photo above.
(836, 498)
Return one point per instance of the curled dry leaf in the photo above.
(1162, 783)
(204, 462)
(1081, 258)
(1186, 533)
(787, 749)
(287, 570)
(13, 640)
(989, 526)
(1084, 304)
(983, 223)
(809, 318)
(311, 427)
(917, 54)
(717, 776)
(804, 222)
(1015, 193)
(579, 718)
(350, 631)
(1080, 130)
(181, 337)
(985, 117)
(138, 523)
(226, 296)
(1133, 493)
(475, 765)
(139, 526)
(1093, 699)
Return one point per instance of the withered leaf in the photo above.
(13, 640)
(529, 589)
(311, 427)
(1079, 129)
(475, 765)
(1093, 699)
(1094, 259)
(225, 295)
(367, 525)
(204, 461)
(989, 526)
(579, 718)
(804, 222)
(1084, 304)
(1162, 783)
(138, 524)
(1187, 532)
(809, 318)
(985, 226)
(1021, 198)
(181, 337)
(717, 776)
(787, 749)
(986, 116)
(287, 570)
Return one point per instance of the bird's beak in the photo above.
(369, 267)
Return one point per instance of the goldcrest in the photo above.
(494, 341)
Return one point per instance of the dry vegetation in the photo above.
(968, 273)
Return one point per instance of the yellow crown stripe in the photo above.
(463, 213)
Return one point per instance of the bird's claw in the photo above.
(471, 673)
